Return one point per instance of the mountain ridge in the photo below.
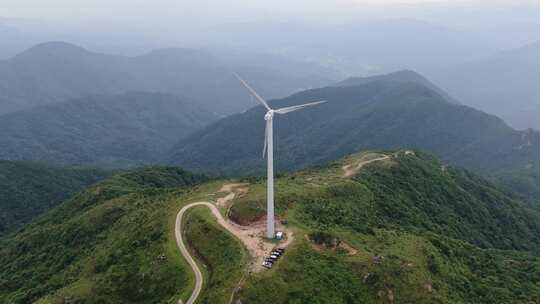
(57, 71)
(377, 115)
(402, 76)
(121, 130)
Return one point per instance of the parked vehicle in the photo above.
(267, 265)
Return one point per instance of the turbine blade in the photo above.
(265, 139)
(252, 91)
(294, 108)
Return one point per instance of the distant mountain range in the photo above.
(113, 131)
(378, 114)
(56, 71)
(505, 84)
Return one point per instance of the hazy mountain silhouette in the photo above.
(56, 71)
(505, 85)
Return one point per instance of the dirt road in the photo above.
(352, 169)
(251, 236)
(183, 249)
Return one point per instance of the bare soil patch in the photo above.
(353, 169)
(252, 235)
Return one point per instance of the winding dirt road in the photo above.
(251, 236)
(183, 249)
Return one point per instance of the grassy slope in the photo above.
(222, 255)
(115, 242)
(422, 219)
(29, 189)
(109, 244)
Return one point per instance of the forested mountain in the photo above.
(56, 71)
(29, 189)
(377, 115)
(100, 243)
(406, 76)
(505, 84)
(112, 131)
(404, 229)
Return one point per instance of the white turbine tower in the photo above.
(269, 149)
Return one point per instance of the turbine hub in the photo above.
(269, 115)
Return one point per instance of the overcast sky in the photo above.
(150, 24)
(222, 11)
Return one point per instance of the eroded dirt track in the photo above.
(353, 169)
(251, 236)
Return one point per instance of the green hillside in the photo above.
(105, 245)
(114, 131)
(221, 253)
(423, 232)
(29, 189)
(382, 114)
(404, 229)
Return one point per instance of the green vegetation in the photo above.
(222, 255)
(29, 189)
(113, 243)
(112, 131)
(306, 276)
(405, 76)
(421, 233)
(525, 182)
(406, 229)
(420, 193)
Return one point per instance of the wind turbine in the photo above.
(269, 150)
